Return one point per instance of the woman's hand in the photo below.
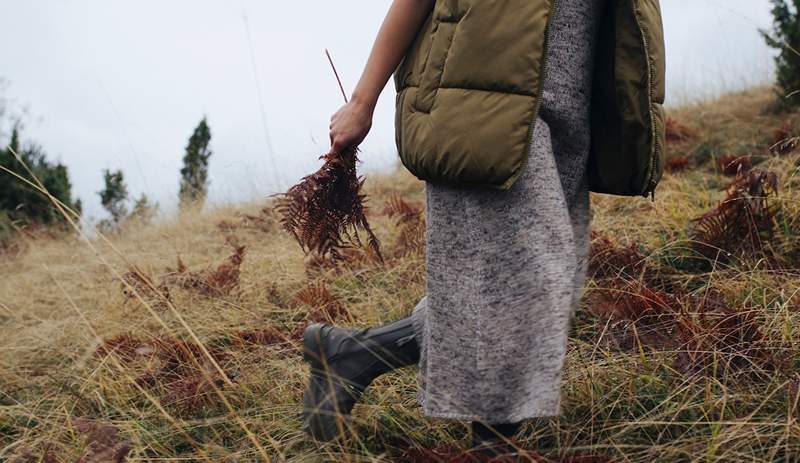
(350, 125)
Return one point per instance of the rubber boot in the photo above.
(494, 441)
(343, 363)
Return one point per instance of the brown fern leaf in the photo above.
(220, 281)
(638, 315)
(743, 224)
(785, 147)
(678, 132)
(264, 221)
(724, 341)
(103, 444)
(676, 164)
(452, 453)
(325, 307)
(783, 133)
(410, 220)
(732, 166)
(268, 336)
(225, 278)
(325, 211)
(193, 393)
(227, 226)
(125, 347)
(609, 260)
(350, 258)
(137, 281)
(184, 376)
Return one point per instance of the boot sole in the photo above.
(322, 425)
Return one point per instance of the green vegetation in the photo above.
(114, 196)
(21, 203)
(785, 37)
(194, 174)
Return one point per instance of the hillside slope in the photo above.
(176, 341)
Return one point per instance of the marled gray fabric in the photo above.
(506, 269)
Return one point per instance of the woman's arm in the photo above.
(351, 124)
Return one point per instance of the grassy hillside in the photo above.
(176, 341)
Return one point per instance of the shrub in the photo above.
(785, 37)
(22, 202)
(194, 174)
(114, 197)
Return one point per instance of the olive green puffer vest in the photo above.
(470, 85)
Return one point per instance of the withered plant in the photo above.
(269, 336)
(732, 166)
(219, 281)
(676, 164)
(125, 347)
(743, 223)
(103, 444)
(676, 131)
(637, 314)
(721, 340)
(608, 259)
(185, 376)
(264, 221)
(783, 133)
(452, 453)
(325, 211)
(137, 281)
(785, 147)
(410, 221)
(178, 371)
(350, 258)
(325, 307)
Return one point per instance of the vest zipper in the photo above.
(651, 185)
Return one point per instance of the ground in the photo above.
(176, 341)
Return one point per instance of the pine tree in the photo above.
(143, 210)
(194, 174)
(114, 195)
(785, 37)
(21, 201)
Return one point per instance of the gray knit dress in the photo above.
(505, 269)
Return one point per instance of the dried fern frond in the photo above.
(410, 221)
(743, 223)
(783, 133)
(610, 260)
(219, 281)
(638, 315)
(732, 166)
(784, 147)
(676, 164)
(326, 307)
(676, 131)
(103, 442)
(137, 281)
(722, 340)
(325, 211)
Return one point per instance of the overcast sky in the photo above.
(121, 84)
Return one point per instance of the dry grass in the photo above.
(110, 353)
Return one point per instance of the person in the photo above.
(512, 112)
